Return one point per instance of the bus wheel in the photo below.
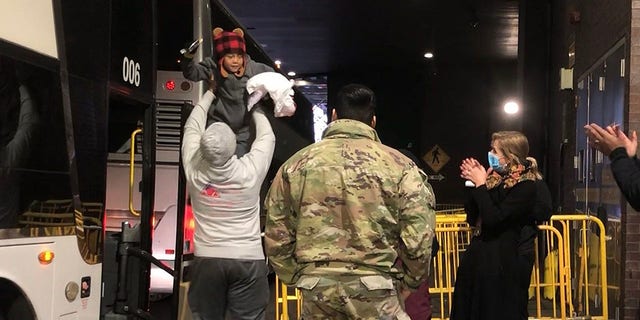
(20, 309)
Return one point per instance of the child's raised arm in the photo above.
(198, 71)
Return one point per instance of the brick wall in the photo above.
(631, 221)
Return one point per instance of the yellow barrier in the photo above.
(454, 235)
(585, 286)
(283, 298)
(554, 264)
(555, 286)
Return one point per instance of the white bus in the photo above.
(77, 78)
(72, 75)
(52, 111)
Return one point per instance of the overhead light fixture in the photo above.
(511, 107)
(428, 55)
(278, 63)
(474, 21)
(291, 74)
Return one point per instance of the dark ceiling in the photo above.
(321, 36)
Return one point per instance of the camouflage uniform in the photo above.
(340, 213)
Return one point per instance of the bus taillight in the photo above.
(45, 257)
(189, 229)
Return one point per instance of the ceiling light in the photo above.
(511, 107)
(278, 63)
(291, 74)
(428, 55)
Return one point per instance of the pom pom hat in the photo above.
(226, 42)
(229, 42)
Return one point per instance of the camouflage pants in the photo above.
(350, 297)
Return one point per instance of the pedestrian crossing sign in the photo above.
(436, 158)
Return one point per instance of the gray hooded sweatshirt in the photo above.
(226, 198)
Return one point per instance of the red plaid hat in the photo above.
(228, 42)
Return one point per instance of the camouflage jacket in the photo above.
(350, 205)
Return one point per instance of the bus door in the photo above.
(131, 149)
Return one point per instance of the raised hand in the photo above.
(213, 84)
(472, 170)
(630, 142)
(607, 139)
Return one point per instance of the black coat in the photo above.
(487, 285)
(626, 171)
(542, 211)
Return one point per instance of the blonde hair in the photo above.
(515, 146)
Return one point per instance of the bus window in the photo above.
(34, 171)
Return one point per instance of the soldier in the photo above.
(342, 212)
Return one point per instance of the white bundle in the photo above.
(279, 88)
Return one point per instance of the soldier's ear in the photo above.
(373, 122)
(334, 115)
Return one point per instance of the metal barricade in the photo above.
(283, 298)
(454, 235)
(555, 264)
(588, 253)
(553, 291)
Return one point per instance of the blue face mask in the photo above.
(494, 162)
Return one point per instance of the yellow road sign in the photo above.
(436, 158)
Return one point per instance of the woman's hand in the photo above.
(472, 170)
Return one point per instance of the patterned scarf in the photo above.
(515, 173)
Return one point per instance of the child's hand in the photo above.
(191, 50)
(213, 85)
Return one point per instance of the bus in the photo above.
(52, 130)
(66, 89)
(93, 207)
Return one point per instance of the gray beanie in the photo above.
(218, 143)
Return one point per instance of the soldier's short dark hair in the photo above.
(356, 102)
